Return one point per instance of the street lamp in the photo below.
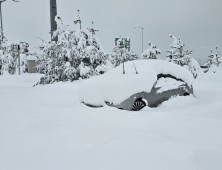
(138, 26)
(1, 1)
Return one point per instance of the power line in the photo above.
(212, 46)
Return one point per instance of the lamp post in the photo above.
(138, 26)
(1, 1)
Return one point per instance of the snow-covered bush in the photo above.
(180, 56)
(77, 54)
(9, 57)
(152, 52)
(121, 54)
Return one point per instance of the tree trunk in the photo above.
(123, 68)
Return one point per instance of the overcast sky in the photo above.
(197, 22)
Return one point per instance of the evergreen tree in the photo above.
(9, 57)
(218, 58)
(213, 61)
(77, 54)
(180, 56)
(152, 52)
(121, 54)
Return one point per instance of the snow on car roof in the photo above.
(114, 86)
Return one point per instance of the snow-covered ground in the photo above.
(46, 128)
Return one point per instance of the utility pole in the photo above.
(1, 20)
(53, 13)
(1, 1)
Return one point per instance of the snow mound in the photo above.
(166, 84)
(31, 57)
(114, 86)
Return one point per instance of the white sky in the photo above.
(197, 22)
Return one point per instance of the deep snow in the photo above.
(46, 128)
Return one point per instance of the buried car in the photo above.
(144, 83)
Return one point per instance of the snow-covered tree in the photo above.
(218, 58)
(9, 57)
(121, 54)
(152, 52)
(24, 52)
(178, 55)
(40, 63)
(77, 54)
(213, 61)
(7, 61)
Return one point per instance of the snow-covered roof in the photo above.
(115, 87)
(31, 57)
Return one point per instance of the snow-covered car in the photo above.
(145, 83)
